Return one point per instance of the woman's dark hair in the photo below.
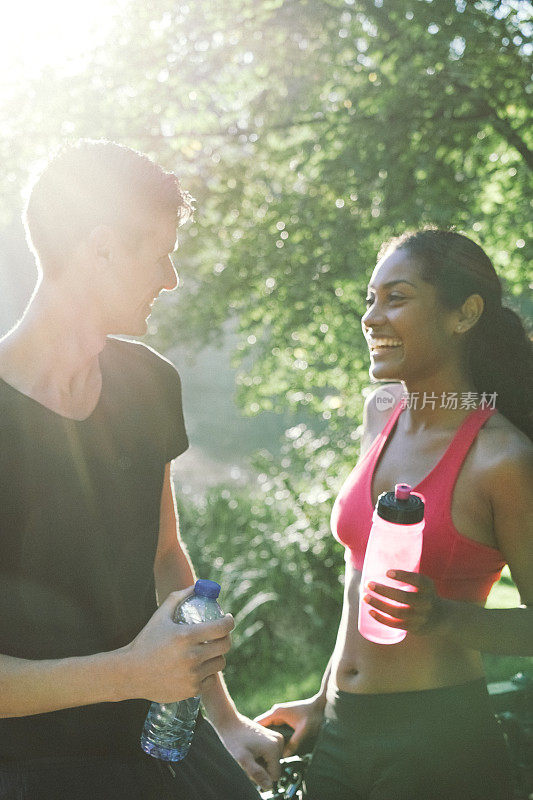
(499, 353)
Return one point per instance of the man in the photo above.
(88, 526)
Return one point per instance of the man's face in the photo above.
(138, 275)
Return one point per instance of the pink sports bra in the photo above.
(461, 568)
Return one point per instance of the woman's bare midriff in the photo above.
(416, 663)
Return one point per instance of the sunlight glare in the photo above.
(57, 33)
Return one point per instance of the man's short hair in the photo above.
(97, 182)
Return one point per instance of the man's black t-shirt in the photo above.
(79, 521)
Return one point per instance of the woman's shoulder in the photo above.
(504, 458)
(502, 440)
(503, 452)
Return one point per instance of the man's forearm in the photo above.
(35, 687)
(505, 631)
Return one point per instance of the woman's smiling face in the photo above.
(409, 333)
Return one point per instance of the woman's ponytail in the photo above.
(500, 359)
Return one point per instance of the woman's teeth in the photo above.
(375, 344)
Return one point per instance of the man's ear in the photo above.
(469, 313)
(102, 244)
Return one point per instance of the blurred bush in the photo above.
(280, 569)
(279, 579)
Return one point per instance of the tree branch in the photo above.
(510, 135)
(500, 124)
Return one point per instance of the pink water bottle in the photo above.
(395, 542)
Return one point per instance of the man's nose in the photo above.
(171, 278)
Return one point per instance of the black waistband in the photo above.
(385, 708)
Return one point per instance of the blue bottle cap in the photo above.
(207, 588)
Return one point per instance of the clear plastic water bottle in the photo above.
(169, 727)
(395, 542)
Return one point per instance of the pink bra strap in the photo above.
(464, 437)
(451, 462)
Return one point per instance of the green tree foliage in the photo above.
(367, 118)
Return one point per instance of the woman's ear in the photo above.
(469, 313)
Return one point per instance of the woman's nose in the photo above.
(373, 316)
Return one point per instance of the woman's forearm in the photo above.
(217, 702)
(321, 694)
(504, 631)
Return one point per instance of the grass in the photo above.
(254, 699)
(504, 594)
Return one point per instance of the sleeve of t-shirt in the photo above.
(158, 392)
(174, 435)
(177, 435)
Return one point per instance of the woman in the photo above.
(412, 721)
